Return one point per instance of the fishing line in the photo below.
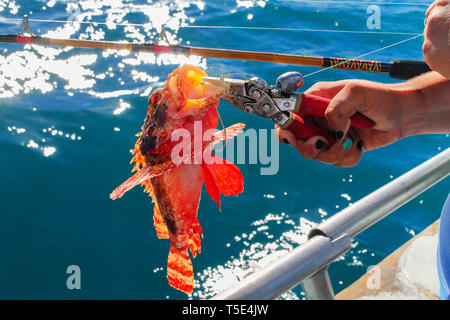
(224, 130)
(300, 29)
(365, 54)
(222, 77)
(218, 27)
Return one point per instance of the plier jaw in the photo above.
(281, 105)
(249, 95)
(236, 92)
(230, 85)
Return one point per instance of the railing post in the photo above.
(318, 286)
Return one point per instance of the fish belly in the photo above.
(177, 194)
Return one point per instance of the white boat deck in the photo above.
(410, 272)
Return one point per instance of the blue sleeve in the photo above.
(443, 254)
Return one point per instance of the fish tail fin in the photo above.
(180, 272)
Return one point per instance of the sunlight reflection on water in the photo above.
(260, 247)
(37, 68)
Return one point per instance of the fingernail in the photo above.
(320, 144)
(338, 135)
(360, 145)
(347, 144)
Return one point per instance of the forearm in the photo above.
(426, 104)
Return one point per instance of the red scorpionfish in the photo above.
(175, 187)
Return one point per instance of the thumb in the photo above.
(430, 8)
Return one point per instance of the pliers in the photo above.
(281, 104)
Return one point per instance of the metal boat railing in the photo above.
(308, 263)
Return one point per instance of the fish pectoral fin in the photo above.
(221, 176)
(140, 177)
(210, 185)
(180, 272)
(227, 177)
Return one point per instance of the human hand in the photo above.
(436, 47)
(377, 101)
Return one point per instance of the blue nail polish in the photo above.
(347, 144)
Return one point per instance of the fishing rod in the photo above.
(399, 69)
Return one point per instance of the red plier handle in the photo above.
(312, 105)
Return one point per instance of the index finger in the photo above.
(326, 89)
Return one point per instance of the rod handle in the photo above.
(407, 69)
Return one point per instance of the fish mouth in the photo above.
(188, 89)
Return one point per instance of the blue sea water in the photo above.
(67, 123)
